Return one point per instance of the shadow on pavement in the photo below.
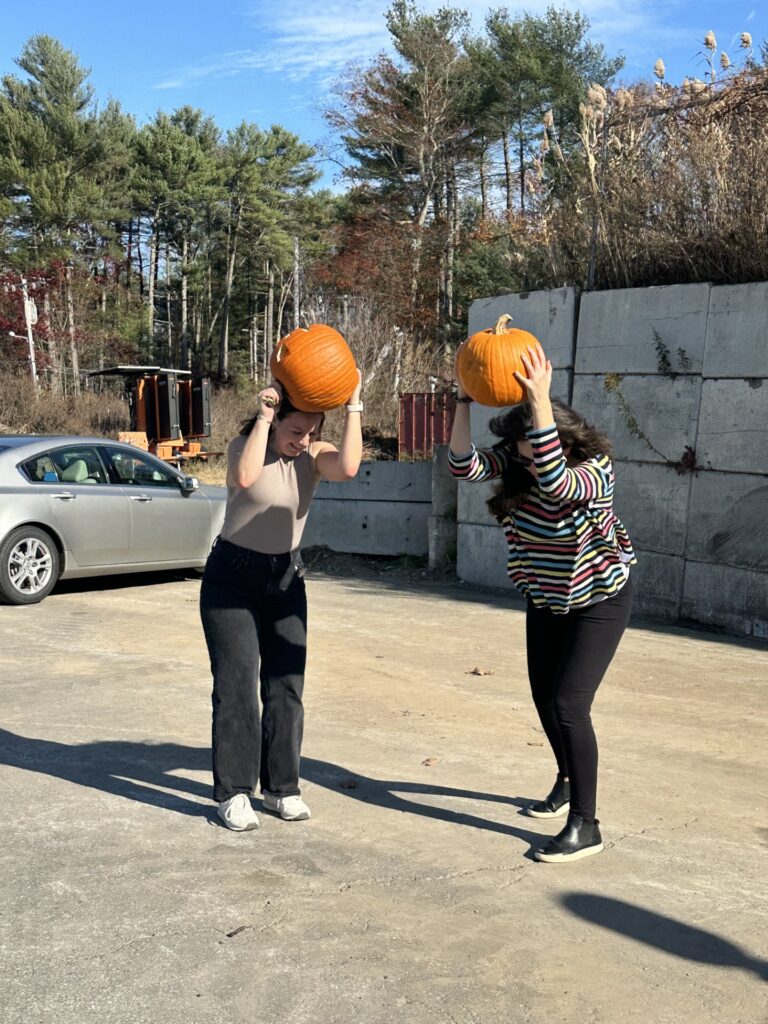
(388, 794)
(134, 769)
(661, 932)
(124, 768)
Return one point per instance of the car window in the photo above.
(136, 469)
(79, 464)
(41, 470)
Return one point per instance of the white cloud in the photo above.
(302, 40)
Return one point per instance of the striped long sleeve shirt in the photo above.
(567, 548)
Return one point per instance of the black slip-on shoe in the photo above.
(578, 839)
(555, 805)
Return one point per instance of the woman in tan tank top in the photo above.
(253, 603)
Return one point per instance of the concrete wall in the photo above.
(385, 510)
(691, 364)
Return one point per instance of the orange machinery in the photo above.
(170, 410)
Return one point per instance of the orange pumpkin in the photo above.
(316, 368)
(487, 361)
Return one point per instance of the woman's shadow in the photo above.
(127, 769)
(664, 933)
(146, 771)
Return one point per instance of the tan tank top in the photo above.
(270, 515)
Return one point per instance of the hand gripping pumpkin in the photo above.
(316, 367)
(487, 361)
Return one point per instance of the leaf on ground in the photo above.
(534, 743)
(479, 672)
(242, 928)
(348, 783)
(429, 761)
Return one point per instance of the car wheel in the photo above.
(29, 565)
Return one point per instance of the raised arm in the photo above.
(343, 463)
(583, 483)
(466, 461)
(245, 469)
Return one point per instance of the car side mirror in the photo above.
(189, 484)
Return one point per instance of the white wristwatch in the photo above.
(358, 407)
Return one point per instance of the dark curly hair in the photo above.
(285, 408)
(584, 441)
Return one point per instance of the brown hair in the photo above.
(584, 441)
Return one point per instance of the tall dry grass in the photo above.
(90, 413)
(667, 185)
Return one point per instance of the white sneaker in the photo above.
(237, 813)
(290, 808)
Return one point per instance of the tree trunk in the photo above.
(54, 352)
(140, 258)
(73, 354)
(154, 252)
(102, 330)
(450, 253)
(197, 362)
(168, 301)
(228, 279)
(129, 255)
(507, 173)
(483, 185)
(184, 302)
(269, 317)
(285, 291)
(416, 248)
(521, 159)
(296, 285)
(253, 337)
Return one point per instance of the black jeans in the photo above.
(568, 656)
(254, 612)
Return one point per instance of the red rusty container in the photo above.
(426, 419)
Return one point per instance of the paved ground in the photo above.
(411, 896)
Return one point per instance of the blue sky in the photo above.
(273, 61)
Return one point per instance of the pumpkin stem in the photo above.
(501, 323)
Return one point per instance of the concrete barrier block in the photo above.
(550, 315)
(472, 507)
(652, 502)
(733, 425)
(619, 330)
(666, 411)
(444, 485)
(729, 520)
(658, 583)
(369, 527)
(737, 331)
(383, 481)
(482, 556)
(442, 542)
(730, 598)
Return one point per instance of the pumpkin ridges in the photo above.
(315, 367)
(486, 362)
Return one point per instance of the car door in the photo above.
(93, 516)
(167, 524)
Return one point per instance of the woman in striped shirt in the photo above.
(570, 556)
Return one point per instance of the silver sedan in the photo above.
(79, 506)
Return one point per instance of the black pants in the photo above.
(567, 658)
(254, 612)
